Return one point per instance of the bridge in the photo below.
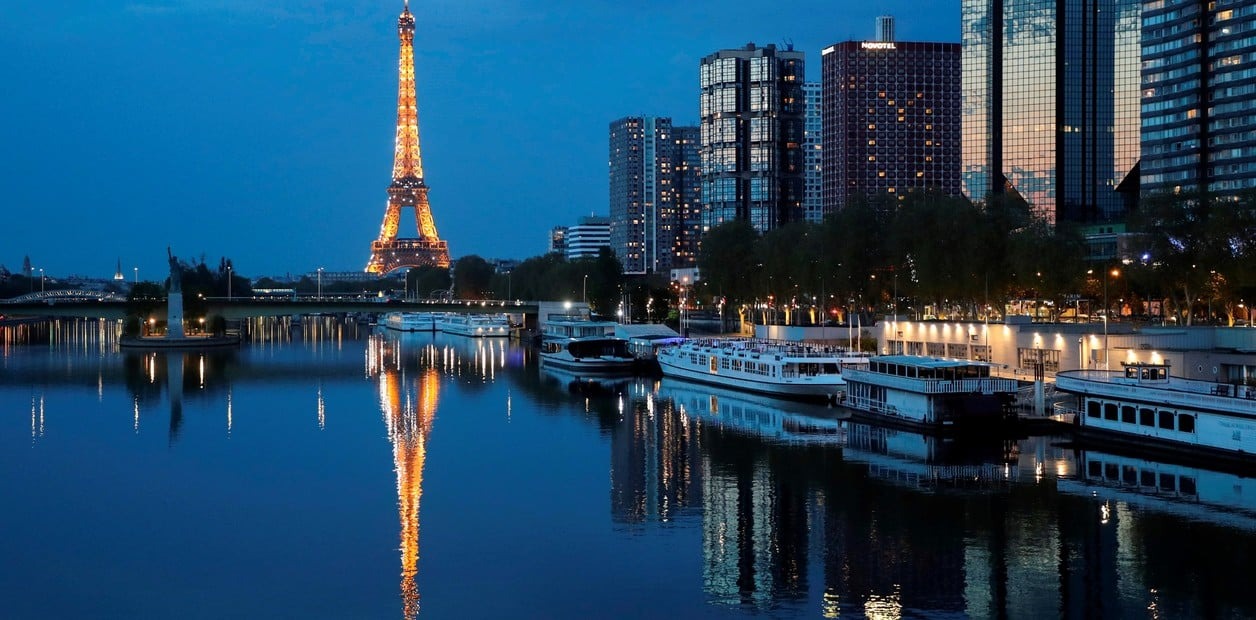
(232, 308)
(65, 295)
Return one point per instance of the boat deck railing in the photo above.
(774, 347)
(1173, 384)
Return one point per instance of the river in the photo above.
(328, 470)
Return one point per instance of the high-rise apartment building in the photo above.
(587, 238)
(687, 185)
(1198, 95)
(654, 194)
(891, 118)
(641, 207)
(813, 145)
(1051, 104)
(752, 132)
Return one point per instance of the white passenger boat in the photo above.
(1144, 404)
(787, 369)
(588, 355)
(584, 347)
(929, 391)
(410, 321)
(476, 325)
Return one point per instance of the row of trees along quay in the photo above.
(934, 256)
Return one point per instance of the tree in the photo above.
(472, 277)
(729, 261)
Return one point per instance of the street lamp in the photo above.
(41, 279)
(584, 290)
(137, 274)
(228, 282)
(1106, 310)
(320, 282)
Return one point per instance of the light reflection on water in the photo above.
(718, 501)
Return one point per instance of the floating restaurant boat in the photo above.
(787, 369)
(475, 325)
(583, 347)
(410, 321)
(929, 392)
(1144, 405)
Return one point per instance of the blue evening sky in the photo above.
(262, 130)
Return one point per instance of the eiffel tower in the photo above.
(408, 189)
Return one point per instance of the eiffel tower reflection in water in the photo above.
(408, 398)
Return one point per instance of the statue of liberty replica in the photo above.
(174, 300)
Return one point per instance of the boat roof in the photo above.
(922, 361)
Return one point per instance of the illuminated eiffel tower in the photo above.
(408, 189)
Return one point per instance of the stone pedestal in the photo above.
(174, 315)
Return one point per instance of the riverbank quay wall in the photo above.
(1017, 346)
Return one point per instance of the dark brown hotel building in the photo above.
(891, 115)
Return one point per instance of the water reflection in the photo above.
(768, 508)
(408, 399)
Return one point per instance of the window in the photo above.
(1127, 414)
(1186, 423)
(1092, 409)
(1166, 420)
(1146, 417)
(1109, 411)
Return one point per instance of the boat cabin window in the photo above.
(1127, 414)
(1166, 420)
(1109, 411)
(1092, 408)
(1186, 423)
(1146, 373)
(1146, 417)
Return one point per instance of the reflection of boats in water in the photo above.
(786, 369)
(929, 461)
(774, 420)
(1192, 492)
(586, 384)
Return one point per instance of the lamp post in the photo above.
(1106, 311)
(41, 279)
(584, 290)
(137, 274)
(228, 282)
(320, 282)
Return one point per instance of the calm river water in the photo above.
(329, 471)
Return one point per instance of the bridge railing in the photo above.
(66, 294)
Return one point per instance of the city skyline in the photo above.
(264, 134)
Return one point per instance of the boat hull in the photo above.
(812, 391)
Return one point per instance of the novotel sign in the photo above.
(878, 45)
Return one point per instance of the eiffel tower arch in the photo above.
(408, 189)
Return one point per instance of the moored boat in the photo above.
(1144, 405)
(588, 355)
(785, 369)
(929, 392)
(475, 325)
(410, 321)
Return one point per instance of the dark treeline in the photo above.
(955, 257)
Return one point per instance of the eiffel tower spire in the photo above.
(408, 188)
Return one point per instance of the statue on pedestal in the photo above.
(176, 274)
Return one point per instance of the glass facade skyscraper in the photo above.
(752, 132)
(1050, 104)
(1198, 95)
(891, 119)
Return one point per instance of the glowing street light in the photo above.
(41, 279)
(584, 290)
(137, 274)
(228, 282)
(320, 282)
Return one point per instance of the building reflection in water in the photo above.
(888, 523)
(409, 392)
